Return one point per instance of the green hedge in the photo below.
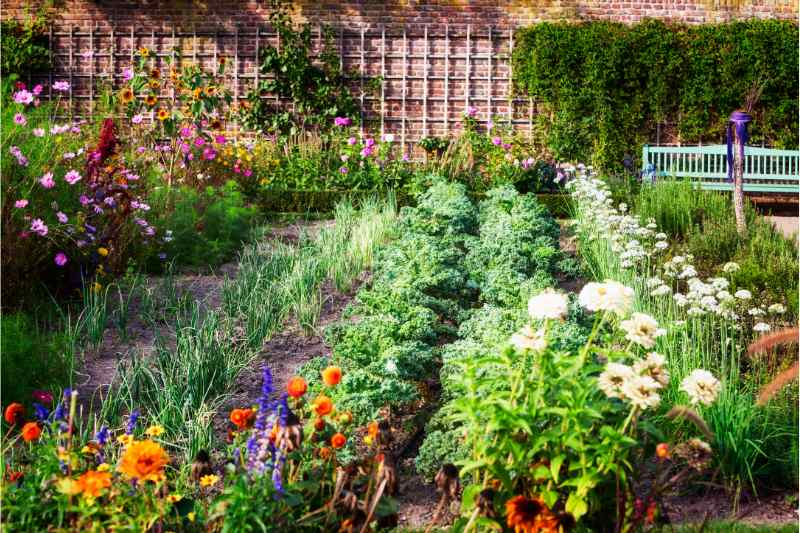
(604, 87)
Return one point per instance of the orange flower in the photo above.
(144, 460)
(154, 84)
(324, 452)
(31, 431)
(319, 424)
(211, 90)
(323, 406)
(162, 114)
(13, 412)
(338, 440)
(662, 451)
(297, 387)
(243, 418)
(526, 515)
(372, 429)
(332, 375)
(93, 482)
(151, 100)
(126, 95)
(155, 73)
(197, 93)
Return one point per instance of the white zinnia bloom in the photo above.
(528, 339)
(701, 386)
(613, 378)
(756, 311)
(762, 327)
(642, 329)
(661, 245)
(548, 304)
(730, 268)
(743, 294)
(642, 391)
(609, 296)
(777, 309)
(661, 236)
(653, 366)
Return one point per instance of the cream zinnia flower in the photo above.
(762, 327)
(609, 296)
(528, 339)
(642, 391)
(548, 304)
(613, 378)
(701, 386)
(653, 366)
(642, 329)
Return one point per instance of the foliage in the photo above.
(607, 87)
(24, 46)
(312, 80)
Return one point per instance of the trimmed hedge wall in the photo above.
(604, 87)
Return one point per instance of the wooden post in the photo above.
(738, 183)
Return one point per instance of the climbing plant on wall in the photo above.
(606, 88)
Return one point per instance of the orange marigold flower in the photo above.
(332, 375)
(126, 95)
(151, 100)
(144, 460)
(323, 406)
(372, 429)
(31, 431)
(243, 418)
(297, 387)
(162, 114)
(526, 515)
(93, 482)
(14, 411)
(662, 451)
(338, 440)
(319, 424)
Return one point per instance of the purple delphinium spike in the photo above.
(132, 422)
(41, 411)
(102, 436)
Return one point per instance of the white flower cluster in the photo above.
(547, 305)
(638, 384)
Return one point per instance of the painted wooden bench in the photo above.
(766, 170)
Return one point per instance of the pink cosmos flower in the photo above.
(137, 119)
(351, 141)
(366, 151)
(186, 132)
(38, 132)
(343, 170)
(61, 259)
(209, 154)
(62, 86)
(23, 97)
(220, 139)
(62, 217)
(73, 177)
(47, 181)
(342, 121)
(84, 200)
(39, 227)
(20, 119)
(472, 111)
(20, 204)
(37, 89)
(199, 141)
(127, 74)
(369, 142)
(497, 141)
(141, 150)
(506, 146)
(248, 172)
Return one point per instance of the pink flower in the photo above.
(497, 141)
(506, 146)
(186, 132)
(141, 150)
(127, 74)
(84, 200)
(343, 170)
(220, 139)
(185, 148)
(20, 119)
(137, 119)
(342, 121)
(73, 177)
(209, 153)
(199, 141)
(248, 172)
(62, 217)
(472, 111)
(61, 259)
(47, 181)
(38, 132)
(62, 86)
(42, 396)
(23, 97)
(351, 141)
(369, 142)
(37, 89)
(366, 151)
(20, 204)
(38, 226)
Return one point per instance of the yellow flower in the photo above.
(209, 480)
(191, 516)
(103, 467)
(144, 460)
(96, 287)
(126, 95)
(144, 52)
(154, 431)
(125, 440)
(102, 251)
(368, 440)
(174, 498)
(162, 114)
(68, 486)
(63, 454)
(86, 449)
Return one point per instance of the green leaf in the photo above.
(576, 506)
(555, 466)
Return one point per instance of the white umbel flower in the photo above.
(743, 294)
(756, 311)
(642, 329)
(662, 290)
(730, 268)
(762, 327)
(642, 392)
(701, 386)
(653, 366)
(548, 304)
(613, 378)
(528, 339)
(777, 309)
(609, 296)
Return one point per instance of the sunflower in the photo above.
(197, 93)
(173, 73)
(144, 460)
(211, 90)
(154, 84)
(144, 52)
(151, 100)
(526, 515)
(93, 482)
(216, 124)
(155, 73)
(162, 114)
(126, 95)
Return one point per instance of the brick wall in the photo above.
(435, 57)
